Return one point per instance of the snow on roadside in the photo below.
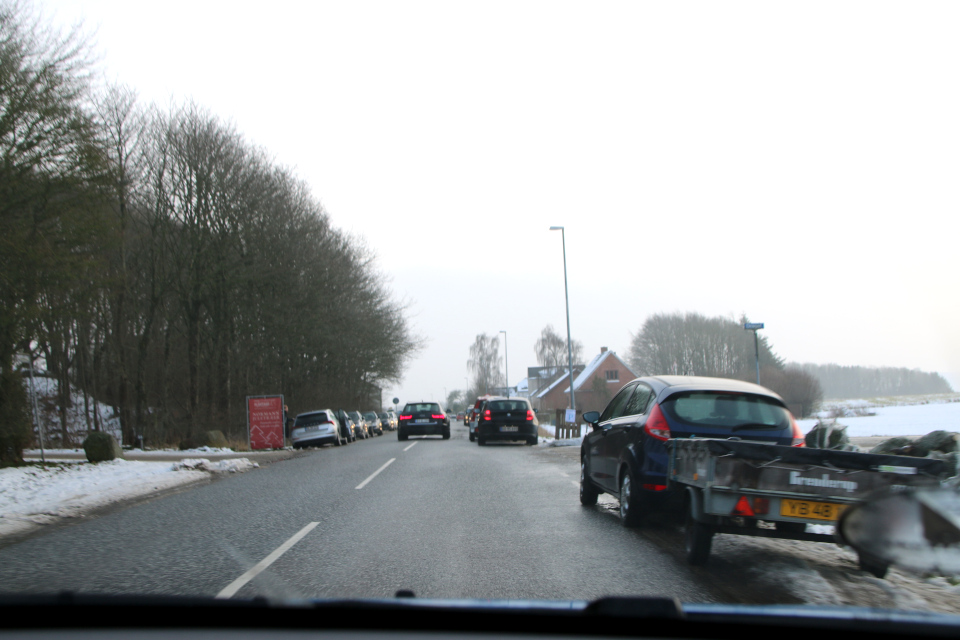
(36, 495)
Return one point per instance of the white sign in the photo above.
(571, 416)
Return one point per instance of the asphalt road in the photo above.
(447, 519)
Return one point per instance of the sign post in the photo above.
(265, 422)
(755, 326)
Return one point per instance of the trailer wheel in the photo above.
(874, 567)
(697, 539)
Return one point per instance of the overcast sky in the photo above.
(794, 162)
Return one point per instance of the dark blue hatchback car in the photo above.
(625, 454)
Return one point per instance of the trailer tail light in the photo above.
(655, 487)
(486, 414)
(529, 415)
(743, 508)
(761, 506)
(798, 439)
(656, 426)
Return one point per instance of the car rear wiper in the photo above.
(755, 426)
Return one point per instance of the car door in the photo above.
(627, 429)
(602, 469)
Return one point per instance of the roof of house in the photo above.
(592, 367)
(550, 387)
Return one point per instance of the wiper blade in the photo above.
(755, 426)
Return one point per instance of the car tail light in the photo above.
(655, 487)
(406, 417)
(798, 439)
(656, 426)
(529, 415)
(486, 414)
(437, 416)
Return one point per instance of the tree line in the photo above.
(841, 382)
(163, 264)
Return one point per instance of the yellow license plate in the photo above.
(811, 510)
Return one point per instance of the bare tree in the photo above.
(485, 365)
(551, 349)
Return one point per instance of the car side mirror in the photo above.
(592, 418)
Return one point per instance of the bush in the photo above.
(214, 439)
(100, 447)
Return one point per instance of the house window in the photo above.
(613, 374)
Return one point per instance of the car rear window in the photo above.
(726, 410)
(508, 405)
(310, 419)
(422, 407)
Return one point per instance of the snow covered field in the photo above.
(891, 419)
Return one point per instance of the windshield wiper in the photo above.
(754, 426)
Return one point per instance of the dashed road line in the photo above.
(375, 473)
(410, 446)
(255, 570)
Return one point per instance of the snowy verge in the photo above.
(34, 495)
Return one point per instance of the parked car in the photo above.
(315, 428)
(348, 425)
(507, 419)
(361, 428)
(389, 423)
(423, 419)
(373, 423)
(626, 455)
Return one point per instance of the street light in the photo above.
(506, 363)
(755, 326)
(566, 293)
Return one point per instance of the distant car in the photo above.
(373, 423)
(315, 428)
(423, 419)
(625, 455)
(507, 419)
(360, 425)
(460, 415)
(389, 423)
(348, 425)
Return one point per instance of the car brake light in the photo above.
(798, 439)
(486, 414)
(656, 426)
(529, 414)
(437, 416)
(406, 417)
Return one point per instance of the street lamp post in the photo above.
(506, 363)
(566, 293)
(755, 326)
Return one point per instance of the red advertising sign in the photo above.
(265, 422)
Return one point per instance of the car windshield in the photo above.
(726, 410)
(309, 419)
(422, 407)
(216, 218)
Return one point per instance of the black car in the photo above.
(347, 424)
(423, 419)
(625, 454)
(507, 419)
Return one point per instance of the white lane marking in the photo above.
(375, 473)
(252, 573)
(410, 446)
